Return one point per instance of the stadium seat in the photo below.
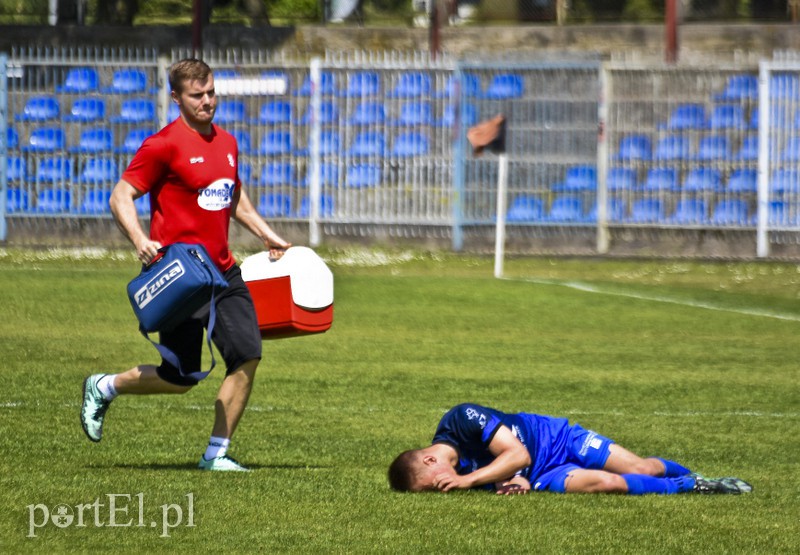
(635, 147)
(749, 149)
(469, 116)
(411, 84)
(275, 205)
(142, 204)
(136, 110)
(94, 139)
(45, 139)
(100, 170)
(325, 207)
(329, 145)
(40, 108)
(368, 113)
(690, 211)
(469, 86)
(621, 179)
(363, 175)
(784, 85)
(127, 81)
(173, 112)
(327, 85)
(16, 169)
(53, 201)
(728, 116)
(275, 112)
(743, 181)
(505, 86)
(368, 143)
(54, 169)
(661, 179)
(95, 201)
(526, 208)
(714, 147)
(243, 140)
(566, 209)
(230, 111)
(275, 143)
(17, 200)
(615, 211)
(701, 180)
(687, 116)
(80, 80)
(739, 87)
(791, 152)
(780, 213)
(674, 148)
(410, 144)
(328, 114)
(276, 174)
(245, 171)
(730, 212)
(133, 140)
(86, 110)
(328, 175)
(785, 181)
(367, 83)
(578, 178)
(415, 113)
(647, 210)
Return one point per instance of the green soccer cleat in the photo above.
(93, 409)
(709, 485)
(738, 483)
(221, 464)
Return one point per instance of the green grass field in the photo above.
(693, 361)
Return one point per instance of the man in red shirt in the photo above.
(190, 170)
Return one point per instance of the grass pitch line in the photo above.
(589, 288)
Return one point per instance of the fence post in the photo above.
(602, 162)
(762, 239)
(459, 160)
(314, 189)
(163, 98)
(3, 145)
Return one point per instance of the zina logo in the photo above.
(159, 283)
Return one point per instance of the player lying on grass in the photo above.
(483, 448)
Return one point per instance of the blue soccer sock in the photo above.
(673, 469)
(641, 484)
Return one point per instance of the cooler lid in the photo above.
(311, 279)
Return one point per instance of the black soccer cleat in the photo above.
(721, 485)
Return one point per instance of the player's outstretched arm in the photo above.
(126, 218)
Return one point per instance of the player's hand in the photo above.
(448, 481)
(511, 489)
(147, 250)
(276, 252)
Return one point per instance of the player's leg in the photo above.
(582, 480)
(622, 461)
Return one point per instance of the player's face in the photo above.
(197, 102)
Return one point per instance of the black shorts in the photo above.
(235, 334)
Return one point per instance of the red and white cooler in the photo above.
(293, 295)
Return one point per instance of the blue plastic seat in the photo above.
(368, 113)
(749, 149)
(80, 80)
(526, 208)
(363, 175)
(245, 171)
(328, 175)
(54, 169)
(469, 86)
(687, 116)
(674, 148)
(40, 108)
(100, 170)
(142, 204)
(366, 83)
(730, 212)
(791, 152)
(95, 201)
(133, 140)
(411, 84)
(325, 207)
(784, 85)
(127, 81)
(785, 181)
(136, 110)
(53, 201)
(505, 86)
(173, 112)
(95, 139)
(17, 200)
(743, 181)
(615, 211)
(635, 147)
(329, 144)
(368, 143)
(45, 139)
(566, 209)
(87, 110)
(779, 213)
(714, 147)
(243, 140)
(275, 205)
(275, 143)
(578, 178)
(703, 180)
(690, 211)
(12, 138)
(415, 113)
(728, 116)
(739, 87)
(327, 85)
(661, 179)
(647, 210)
(277, 174)
(410, 144)
(621, 179)
(275, 112)
(16, 169)
(230, 111)
(469, 116)
(328, 114)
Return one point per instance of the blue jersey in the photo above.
(550, 441)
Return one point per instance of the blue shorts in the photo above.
(576, 448)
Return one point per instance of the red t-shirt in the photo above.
(191, 179)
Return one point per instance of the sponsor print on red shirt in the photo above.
(191, 179)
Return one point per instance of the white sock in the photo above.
(106, 387)
(217, 447)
